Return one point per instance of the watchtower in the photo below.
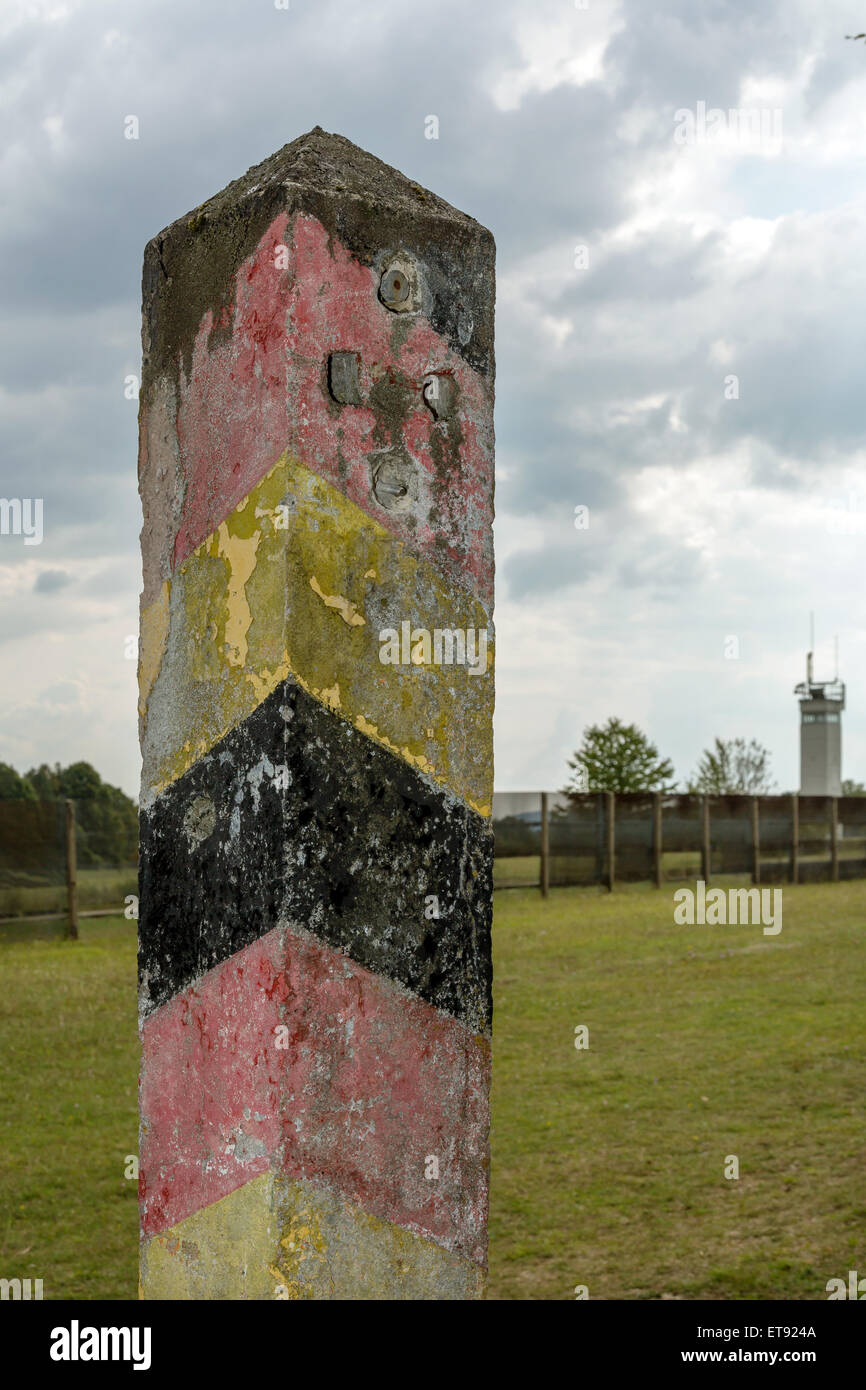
(821, 706)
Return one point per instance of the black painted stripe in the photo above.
(295, 816)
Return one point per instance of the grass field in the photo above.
(608, 1163)
(68, 1107)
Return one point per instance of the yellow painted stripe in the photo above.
(279, 1239)
(298, 581)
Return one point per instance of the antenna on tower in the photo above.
(836, 649)
(811, 647)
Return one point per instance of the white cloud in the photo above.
(558, 46)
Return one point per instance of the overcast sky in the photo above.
(694, 376)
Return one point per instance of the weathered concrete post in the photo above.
(316, 466)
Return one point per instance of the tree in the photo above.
(79, 781)
(852, 788)
(733, 767)
(14, 787)
(107, 819)
(618, 757)
(45, 781)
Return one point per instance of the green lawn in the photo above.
(517, 869)
(607, 1163)
(68, 1107)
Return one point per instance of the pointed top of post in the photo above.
(327, 163)
(367, 206)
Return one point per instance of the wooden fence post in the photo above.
(611, 840)
(545, 847)
(71, 873)
(756, 842)
(795, 838)
(705, 840)
(657, 838)
(834, 843)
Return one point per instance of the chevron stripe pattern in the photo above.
(316, 697)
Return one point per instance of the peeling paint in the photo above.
(347, 610)
(237, 379)
(406, 1080)
(239, 554)
(247, 610)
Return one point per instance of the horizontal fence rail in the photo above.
(547, 839)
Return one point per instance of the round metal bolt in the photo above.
(390, 492)
(394, 483)
(394, 287)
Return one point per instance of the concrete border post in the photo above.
(316, 698)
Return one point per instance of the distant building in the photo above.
(821, 706)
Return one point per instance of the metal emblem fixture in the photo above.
(398, 286)
(395, 481)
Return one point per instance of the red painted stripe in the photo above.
(236, 413)
(370, 1084)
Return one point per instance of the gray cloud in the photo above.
(50, 581)
(606, 377)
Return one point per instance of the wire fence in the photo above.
(55, 854)
(547, 839)
(541, 839)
